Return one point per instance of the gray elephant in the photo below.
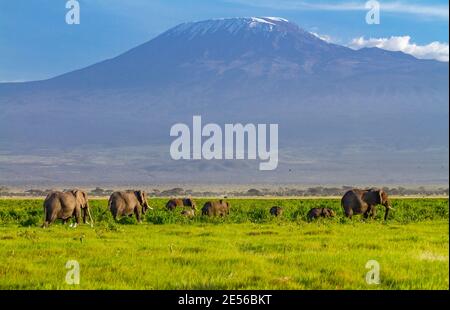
(128, 203)
(172, 204)
(320, 212)
(358, 201)
(65, 205)
(276, 211)
(216, 208)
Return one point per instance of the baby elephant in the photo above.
(320, 212)
(190, 213)
(276, 211)
(172, 204)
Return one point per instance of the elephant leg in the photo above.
(349, 213)
(52, 218)
(373, 213)
(138, 214)
(114, 215)
(366, 211)
(366, 214)
(84, 215)
(77, 216)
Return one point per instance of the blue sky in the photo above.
(36, 43)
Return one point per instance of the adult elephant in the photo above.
(128, 203)
(64, 205)
(172, 204)
(216, 208)
(358, 201)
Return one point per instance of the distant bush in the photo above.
(127, 220)
(31, 221)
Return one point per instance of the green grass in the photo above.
(247, 250)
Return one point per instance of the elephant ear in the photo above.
(372, 197)
(139, 196)
(78, 196)
(383, 196)
(84, 196)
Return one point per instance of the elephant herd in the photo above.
(74, 203)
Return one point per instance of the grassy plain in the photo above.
(247, 250)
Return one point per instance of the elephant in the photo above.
(216, 208)
(64, 205)
(128, 203)
(320, 212)
(190, 213)
(276, 211)
(172, 204)
(358, 201)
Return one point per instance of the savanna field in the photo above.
(249, 249)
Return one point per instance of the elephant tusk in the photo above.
(90, 216)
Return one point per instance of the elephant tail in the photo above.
(45, 223)
(109, 203)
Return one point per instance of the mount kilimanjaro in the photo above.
(337, 108)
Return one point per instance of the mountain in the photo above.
(326, 98)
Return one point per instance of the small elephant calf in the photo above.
(276, 211)
(320, 212)
(188, 213)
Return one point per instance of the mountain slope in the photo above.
(265, 70)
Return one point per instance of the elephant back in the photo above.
(173, 203)
(207, 208)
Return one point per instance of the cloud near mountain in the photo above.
(434, 50)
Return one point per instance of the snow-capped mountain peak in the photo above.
(232, 26)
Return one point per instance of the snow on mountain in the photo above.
(231, 25)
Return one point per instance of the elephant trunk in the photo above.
(388, 207)
(44, 225)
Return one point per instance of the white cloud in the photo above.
(430, 10)
(323, 37)
(434, 50)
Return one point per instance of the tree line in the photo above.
(316, 191)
